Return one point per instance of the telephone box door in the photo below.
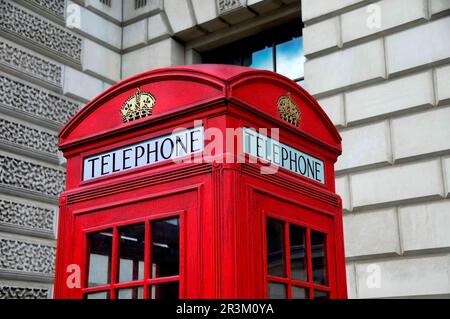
(298, 246)
(137, 249)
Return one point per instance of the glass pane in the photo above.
(98, 295)
(298, 259)
(262, 59)
(131, 249)
(164, 291)
(100, 247)
(275, 248)
(320, 294)
(232, 59)
(277, 291)
(299, 293)
(301, 83)
(131, 293)
(291, 58)
(318, 257)
(165, 248)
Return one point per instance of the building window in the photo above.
(139, 4)
(279, 50)
(123, 264)
(296, 262)
(106, 2)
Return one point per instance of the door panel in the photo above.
(297, 249)
(136, 249)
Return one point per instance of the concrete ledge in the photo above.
(404, 276)
(27, 276)
(397, 184)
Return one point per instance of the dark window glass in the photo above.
(275, 248)
(299, 293)
(320, 294)
(165, 248)
(290, 58)
(164, 291)
(298, 256)
(131, 293)
(277, 291)
(100, 247)
(131, 250)
(279, 49)
(231, 60)
(98, 295)
(318, 257)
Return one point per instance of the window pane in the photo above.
(299, 293)
(164, 291)
(275, 248)
(277, 291)
(100, 247)
(301, 83)
(320, 294)
(98, 295)
(298, 259)
(291, 58)
(318, 257)
(131, 293)
(262, 59)
(165, 248)
(232, 60)
(131, 252)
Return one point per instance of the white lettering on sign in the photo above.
(282, 155)
(155, 150)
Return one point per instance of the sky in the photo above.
(290, 58)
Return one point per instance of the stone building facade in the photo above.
(380, 69)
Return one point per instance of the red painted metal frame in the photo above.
(287, 279)
(114, 285)
(223, 205)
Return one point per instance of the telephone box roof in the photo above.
(182, 89)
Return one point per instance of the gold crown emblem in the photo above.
(137, 106)
(289, 111)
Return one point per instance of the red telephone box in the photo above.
(204, 181)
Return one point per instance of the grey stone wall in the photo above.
(35, 50)
(381, 71)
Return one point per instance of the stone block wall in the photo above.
(381, 71)
(36, 53)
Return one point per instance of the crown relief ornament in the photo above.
(137, 106)
(288, 109)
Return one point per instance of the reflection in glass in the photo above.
(100, 247)
(275, 248)
(98, 295)
(131, 250)
(131, 293)
(290, 58)
(299, 293)
(320, 294)
(164, 291)
(318, 257)
(165, 248)
(277, 291)
(262, 59)
(298, 257)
